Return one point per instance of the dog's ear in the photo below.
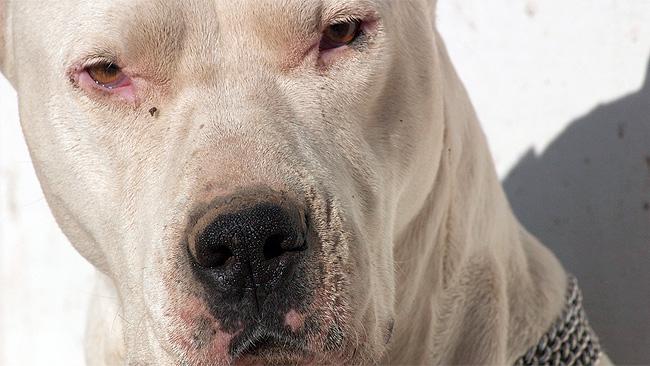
(4, 36)
(3, 31)
(431, 4)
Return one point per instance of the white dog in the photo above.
(280, 181)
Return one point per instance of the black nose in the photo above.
(249, 248)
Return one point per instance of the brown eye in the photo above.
(340, 34)
(107, 74)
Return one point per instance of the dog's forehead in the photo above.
(162, 34)
(269, 19)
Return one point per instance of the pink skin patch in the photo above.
(221, 344)
(294, 320)
(200, 334)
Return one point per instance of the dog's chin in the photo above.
(275, 359)
(261, 347)
(276, 355)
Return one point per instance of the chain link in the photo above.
(570, 340)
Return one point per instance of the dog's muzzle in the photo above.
(253, 255)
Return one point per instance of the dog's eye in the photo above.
(340, 34)
(107, 75)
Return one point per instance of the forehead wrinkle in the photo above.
(291, 28)
(285, 22)
(286, 19)
(283, 31)
(200, 59)
(137, 35)
(102, 38)
(241, 36)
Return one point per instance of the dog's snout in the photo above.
(251, 245)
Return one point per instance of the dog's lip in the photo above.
(262, 343)
(260, 346)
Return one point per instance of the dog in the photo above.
(277, 182)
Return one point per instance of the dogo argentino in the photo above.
(280, 182)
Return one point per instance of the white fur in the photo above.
(421, 232)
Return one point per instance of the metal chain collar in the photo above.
(570, 340)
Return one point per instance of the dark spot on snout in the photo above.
(152, 111)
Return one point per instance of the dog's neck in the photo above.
(482, 288)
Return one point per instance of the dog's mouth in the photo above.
(261, 346)
(269, 346)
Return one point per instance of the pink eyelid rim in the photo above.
(122, 88)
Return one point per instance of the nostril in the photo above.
(213, 256)
(280, 243)
(273, 246)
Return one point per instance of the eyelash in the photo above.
(96, 61)
(350, 19)
(346, 19)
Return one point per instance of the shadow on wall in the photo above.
(587, 197)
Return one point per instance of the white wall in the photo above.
(563, 78)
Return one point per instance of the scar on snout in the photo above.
(152, 111)
(294, 320)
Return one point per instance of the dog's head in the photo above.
(239, 169)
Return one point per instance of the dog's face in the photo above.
(240, 169)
